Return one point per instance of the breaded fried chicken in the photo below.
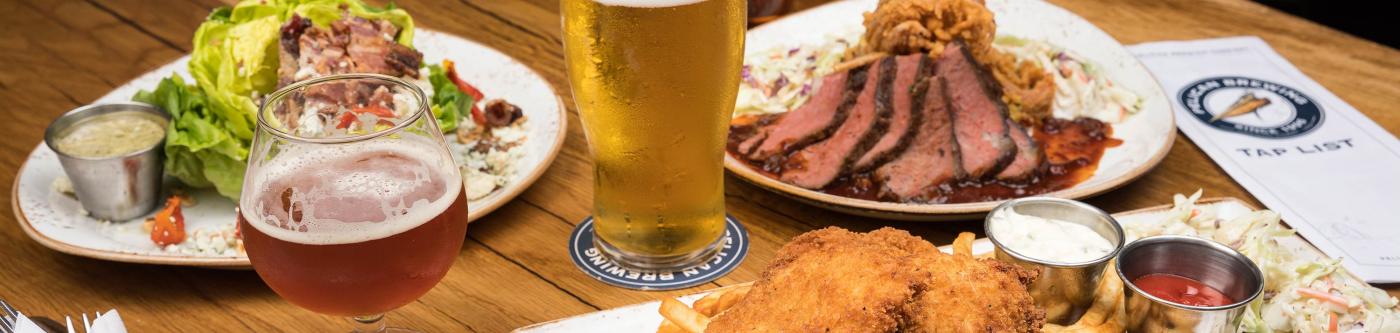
(834, 280)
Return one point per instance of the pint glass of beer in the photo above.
(655, 83)
(351, 204)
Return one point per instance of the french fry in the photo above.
(731, 297)
(669, 327)
(683, 316)
(707, 305)
(1107, 327)
(1106, 314)
(963, 244)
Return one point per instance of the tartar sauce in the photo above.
(1048, 239)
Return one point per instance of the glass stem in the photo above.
(369, 324)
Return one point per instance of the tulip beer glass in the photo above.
(351, 205)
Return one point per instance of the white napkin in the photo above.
(110, 322)
(1302, 151)
(24, 325)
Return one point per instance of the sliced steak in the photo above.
(979, 116)
(813, 121)
(819, 164)
(905, 115)
(1028, 155)
(932, 157)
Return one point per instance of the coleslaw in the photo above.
(1300, 295)
(1080, 88)
(781, 79)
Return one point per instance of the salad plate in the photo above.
(57, 220)
(1144, 135)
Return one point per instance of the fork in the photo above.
(87, 325)
(9, 318)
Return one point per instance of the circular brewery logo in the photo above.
(733, 249)
(1252, 107)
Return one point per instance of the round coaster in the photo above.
(734, 246)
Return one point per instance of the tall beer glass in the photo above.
(351, 205)
(655, 82)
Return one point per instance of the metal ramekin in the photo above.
(117, 188)
(1211, 263)
(1064, 290)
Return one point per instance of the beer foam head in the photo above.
(355, 193)
(648, 3)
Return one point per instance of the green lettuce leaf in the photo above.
(450, 104)
(234, 62)
(198, 152)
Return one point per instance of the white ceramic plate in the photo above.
(1147, 136)
(645, 318)
(56, 220)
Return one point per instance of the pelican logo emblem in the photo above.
(1252, 107)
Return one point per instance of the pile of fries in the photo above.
(693, 319)
(1106, 315)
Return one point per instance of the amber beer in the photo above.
(353, 231)
(655, 82)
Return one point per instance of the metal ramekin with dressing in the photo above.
(1068, 242)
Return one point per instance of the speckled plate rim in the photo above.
(502, 196)
(127, 257)
(645, 315)
(475, 209)
(960, 211)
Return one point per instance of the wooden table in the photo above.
(513, 271)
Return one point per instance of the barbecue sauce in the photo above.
(1072, 149)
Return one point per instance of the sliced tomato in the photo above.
(349, 118)
(377, 110)
(169, 225)
(465, 87)
(346, 119)
(478, 117)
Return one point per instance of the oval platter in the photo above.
(1147, 136)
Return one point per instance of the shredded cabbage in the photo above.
(1299, 295)
(1081, 90)
(781, 79)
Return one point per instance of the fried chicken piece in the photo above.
(834, 280)
(831, 280)
(974, 295)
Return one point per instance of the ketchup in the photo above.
(1181, 290)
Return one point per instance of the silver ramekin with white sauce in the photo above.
(1068, 242)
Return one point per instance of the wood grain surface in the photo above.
(513, 271)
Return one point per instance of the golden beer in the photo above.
(655, 83)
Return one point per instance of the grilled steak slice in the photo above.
(979, 116)
(905, 115)
(813, 121)
(1028, 155)
(819, 164)
(932, 157)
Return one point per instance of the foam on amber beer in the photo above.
(350, 194)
